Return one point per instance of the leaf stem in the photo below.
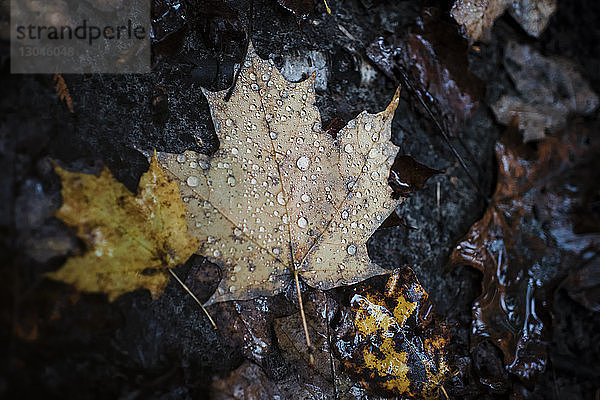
(445, 393)
(187, 289)
(311, 358)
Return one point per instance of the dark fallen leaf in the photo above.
(583, 285)
(300, 8)
(248, 382)
(168, 27)
(434, 57)
(550, 89)
(525, 242)
(408, 175)
(396, 346)
(248, 325)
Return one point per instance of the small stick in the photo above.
(311, 358)
(187, 289)
(444, 391)
(327, 7)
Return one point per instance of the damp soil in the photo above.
(61, 344)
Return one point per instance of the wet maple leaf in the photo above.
(478, 16)
(281, 195)
(131, 240)
(397, 347)
(525, 241)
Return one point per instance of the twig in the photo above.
(444, 391)
(187, 289)
(311, 357)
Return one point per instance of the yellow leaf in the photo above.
(397, 347)
(132, 240)
(281, 194)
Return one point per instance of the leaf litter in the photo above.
(529, 239)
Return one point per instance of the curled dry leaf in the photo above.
(281, 195)
(549, 90)
(478, 16)
(434, 57)
(396, 347)
(131, 240)
(527, 239)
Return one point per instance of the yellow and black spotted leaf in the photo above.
(396, 346)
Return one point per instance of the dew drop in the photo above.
(280, 198)
(231, 180)
(345, 214)
(232, 289)
(348, 148)
(234, 151)
(276, 250)
(375, 175)
(302, 163)
(252, 76)
(217, 253)
(302, 222)
(193, 164)
(273, 135)
(192, 181)
(181, 158)
(351, 249)
(368, 126)
(228, 122)
(305, 198)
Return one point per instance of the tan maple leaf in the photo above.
(132, 240)
(282, 196)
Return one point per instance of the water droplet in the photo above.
(204, 165)
(228, 122)
(351, 249)
(375, 175)
(305, 198)
(348, 148)
(252, 76)
(368, 126)
(265, 77)
(273, 135)
(316, 127)
(345, 214)
(181, 158)
(231, 180)
(276, 250)
(375, 137)
(234, 151)
(302, 222)
(302, 163)
(193, 164)
(280, 198)
(254, 86)
(232, 289)
(217, 253)
(192, 181)
(237, 231)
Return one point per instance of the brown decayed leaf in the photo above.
(396, 347)
(407, 175)
(131, 240)
(63, 91)
(478, 16)
(282, 195)
(550, 89)
(434, 57)
(526, 240)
